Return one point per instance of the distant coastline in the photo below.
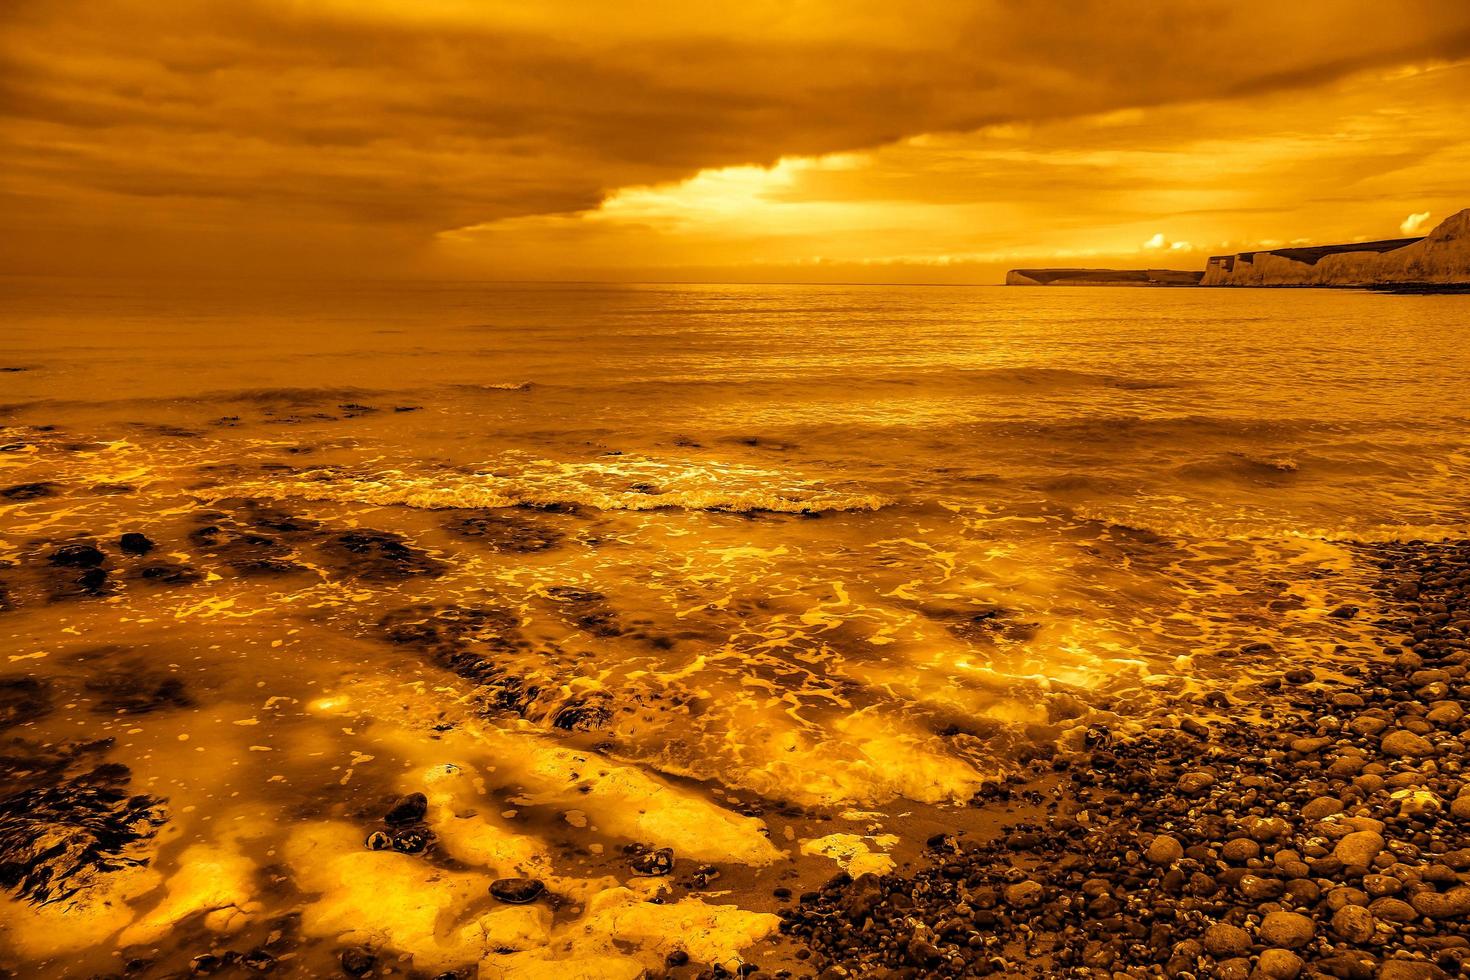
(1437, 262)
(1102, 277)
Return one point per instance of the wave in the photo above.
(496, 386)
(1240, 465)
(1000, 380)
(483, 491)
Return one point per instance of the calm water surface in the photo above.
(748, 572)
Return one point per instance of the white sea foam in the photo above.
(628, 485)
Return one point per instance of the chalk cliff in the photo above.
(1441, 257)
(1101, 277)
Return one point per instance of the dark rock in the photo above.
(407, 809)
(653, 862)
(77, 556)
(134, 543)
(258, 961)
(357, 961)
(207, 963)
(517, 891)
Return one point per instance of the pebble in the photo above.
(1288, 930)
(1222, 939)
(357, 961)
(1353, 924)
(653, 863)
(1279, 964)
(1405, 744)
(1023, 894)
(1164, 850)
(1358, 849)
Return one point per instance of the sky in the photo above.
(808, 140)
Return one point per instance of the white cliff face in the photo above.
(1441, 257)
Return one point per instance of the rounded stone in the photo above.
(1193, 783)
(1453, 904)
(1358, 849)
(1235, 968)
(1222, 939)
(1381, 885)
(1353, 924)
(134, 543)
(1165, 850)
(407, 809)
(1023, 894)
(1267, 829)
(1287, 930)
(1279, 964)
(1322, 806)
(1410, 970)
(1240, 850)
(516, 891)
(1392, 910)
(1405, 744)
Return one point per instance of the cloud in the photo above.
(252, 134)
(1414, 222)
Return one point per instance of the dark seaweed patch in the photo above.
(56, 839)
(23, 699)
(246, 552)
(587, 610)
(378, 556)
(504, 532)
(475, 643)
(166, 573)
(31, 491)
(136, 691)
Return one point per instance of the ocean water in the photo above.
(756, 573)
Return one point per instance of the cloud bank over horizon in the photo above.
(758, 140)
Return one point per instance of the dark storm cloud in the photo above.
(421, 116)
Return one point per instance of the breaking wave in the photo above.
(567, 486)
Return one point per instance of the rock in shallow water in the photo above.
(655, 862)
(407, 809)
(516, 891)
(133, 543)
(357, 961)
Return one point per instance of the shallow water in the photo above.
(734, 570)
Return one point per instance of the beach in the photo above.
(510, 630)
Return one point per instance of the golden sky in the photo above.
(829, 140)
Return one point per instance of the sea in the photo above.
(746, 583)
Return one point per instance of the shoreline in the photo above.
(1330, 838)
